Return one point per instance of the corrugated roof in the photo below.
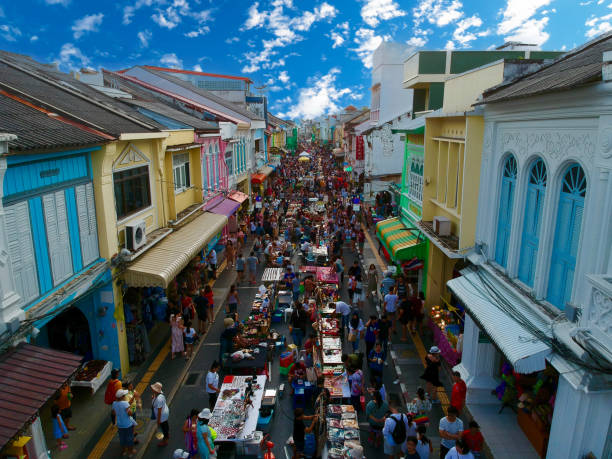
(525, 352)
(38, 130)
(193, 72)
(579, 66)
(170, 112)
(59, 92)
(29, 377)
(204, 93)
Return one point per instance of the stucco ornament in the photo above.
(606, 143)
(601, 311)
(554, 143)
(487, 141)
(387, 140)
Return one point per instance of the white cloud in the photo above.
(89, 23)
(520, 24)
(231, 40)
(320, 98)
(283, 29)
(71, 57)
(199, 31)
(598, 25)
(375, 11)
(9, 32)
(130, 10)
(461, 33)
(34, 38)
(449, 45)
(171, 60)
(340, 34)
(144, 36)
(58, 2)
(197, 68)
(368, 41)
(283, 77)
(172, 15)
(417, 42)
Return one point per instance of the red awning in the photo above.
(29, 377)
(258, 178)
(238, 196)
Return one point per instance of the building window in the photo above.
(534, 202)
(132, 190)
(567, 236)
(506, 200)
(180, 168)
(416, 179)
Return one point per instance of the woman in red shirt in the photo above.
(473, 438)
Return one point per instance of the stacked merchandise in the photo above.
(447, 330)
(342, 431)
(237, 409)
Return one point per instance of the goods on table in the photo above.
(342, 439)
(90, 370)
(93, 375)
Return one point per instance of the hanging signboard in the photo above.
(359, 155)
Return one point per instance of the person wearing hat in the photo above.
(124, 421)
(160, 411)
(206, 447)
(431, 374)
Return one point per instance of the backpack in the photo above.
(399, 431)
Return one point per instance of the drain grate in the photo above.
(192, 379)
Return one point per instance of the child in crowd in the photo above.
(59, 428)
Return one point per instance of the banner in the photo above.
(359, 156)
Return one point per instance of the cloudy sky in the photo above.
(310, 57)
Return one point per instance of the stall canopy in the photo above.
(266, 170)
(400, 242)
(258, 178)
(525, 352)
(338, 152)
(31, 376)
(238, 196)
(160, 264)
(224, 206)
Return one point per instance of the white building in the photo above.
(539, 296)
(390, 104)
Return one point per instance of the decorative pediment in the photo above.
(130, 155)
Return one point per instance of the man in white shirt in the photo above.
(212, 385)
(450, 428)
(345, 310)
(161, 411)
(212, 260)
(392, 448)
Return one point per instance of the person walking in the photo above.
(460, 451)
(206, 447)
(114, 384)
(450, 428)
(212, 262)
(177, 327)
(233, 300)
(190, 430)
(59, 428)
(212, 384)
(298, 324)
(125, 422)
(458, 392)
(372, 329)
(432, 373)
(474, 438)
(230, 253)
(375, 359)
(376, 411)
(372, 281)
(394, 430)
(64, 402)
(252, 263)
(356, 331)
(160, 411)
(240, 263)
(390, 306)
(190, 337)
(424, 446)
(355, 377)
(201, 307)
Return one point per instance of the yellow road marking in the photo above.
(416, 339)
(109, 433)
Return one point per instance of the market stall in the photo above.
(92, 375)
(446, 324)
(342, 432)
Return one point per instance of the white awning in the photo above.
(523, 350)
(266, 170)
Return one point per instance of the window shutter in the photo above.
(531, 234)
(58, 238)
(86, 211)
(187, 177)
(504, 221)
(21, 251)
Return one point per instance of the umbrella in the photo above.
(304, 154)
(304, 158)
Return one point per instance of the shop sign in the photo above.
(483, 338)
(359, 148)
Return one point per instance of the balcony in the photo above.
(599, 319)
(374, 115)
(423, 68)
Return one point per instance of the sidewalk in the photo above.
(171, 373)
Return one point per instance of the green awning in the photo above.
(401, 243)
(419, 130)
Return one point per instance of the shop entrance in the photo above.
(69, 332)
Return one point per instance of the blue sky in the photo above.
(313, 57)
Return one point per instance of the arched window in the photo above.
(567, 236)
(506, 200)
(534, 202)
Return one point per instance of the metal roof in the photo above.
(37, 130)
(524, 351)
(30, 376)
(578, 67)
(193, 72)
(204, 93)
(59, 92)
(175, 114)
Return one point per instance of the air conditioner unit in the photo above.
(135, 235)
(442, 226)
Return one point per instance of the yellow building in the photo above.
(451, 173)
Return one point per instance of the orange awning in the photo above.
(238, 196)
(258, 178)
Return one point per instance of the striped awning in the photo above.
(525, 352)
(400, 242)
(162, 263)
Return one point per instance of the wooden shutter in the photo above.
(21, 251)
(531, 234)
(86, 211)
(504, 222)
(58, 238)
